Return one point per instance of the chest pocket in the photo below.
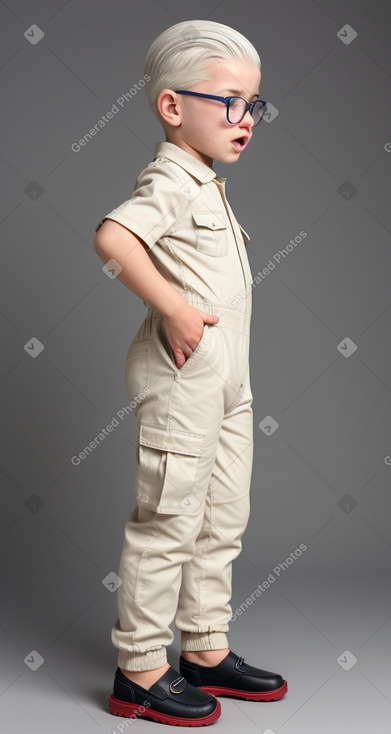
(211, 233)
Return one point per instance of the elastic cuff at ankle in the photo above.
(142, 660)
(193, 641)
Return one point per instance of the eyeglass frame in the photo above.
(227, 100)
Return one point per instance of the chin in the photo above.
(231, 157)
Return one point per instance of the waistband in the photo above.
(229, 318)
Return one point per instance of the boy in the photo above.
(187, 372)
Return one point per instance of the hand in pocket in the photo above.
(184, 331)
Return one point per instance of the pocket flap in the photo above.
(210, 219)
(170, 439)
(246, 237)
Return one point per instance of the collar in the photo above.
(185, 160)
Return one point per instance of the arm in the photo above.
(183, 323)
(139, 274)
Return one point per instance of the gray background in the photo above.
(322, 164)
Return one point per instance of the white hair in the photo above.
(178, 56)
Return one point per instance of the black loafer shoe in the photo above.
(233, 677)
(171, 700)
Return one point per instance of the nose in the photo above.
(248, 118)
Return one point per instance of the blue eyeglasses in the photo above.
(236, 106)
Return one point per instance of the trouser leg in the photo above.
(175, 456)
(136, 649)
(155, 547)
(204, 610)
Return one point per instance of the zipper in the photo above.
(236, 242)
(238, 251)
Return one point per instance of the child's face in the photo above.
(200, 125)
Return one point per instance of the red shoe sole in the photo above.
(134, 710)
(273, 695)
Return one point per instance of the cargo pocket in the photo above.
(246, 237)
(166, 467)
(138, 372)
(211, 233)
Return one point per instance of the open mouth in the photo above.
(239, 143)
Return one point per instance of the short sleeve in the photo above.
(155, 204)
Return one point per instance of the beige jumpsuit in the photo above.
(195, 424)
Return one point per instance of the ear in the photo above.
(169, 107)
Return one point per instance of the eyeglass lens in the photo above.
(236, 110)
